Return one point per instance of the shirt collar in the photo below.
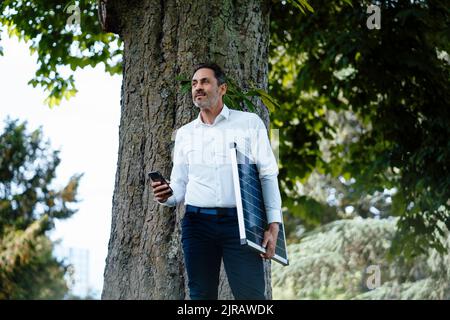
(224, 114)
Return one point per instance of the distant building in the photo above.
(78, 280)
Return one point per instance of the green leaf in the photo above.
(269, 101)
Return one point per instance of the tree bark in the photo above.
(164, 39)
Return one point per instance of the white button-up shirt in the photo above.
(202, 175)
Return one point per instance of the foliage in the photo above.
(51, 29)
(332, 263)
(45, 26)
(395, 81)
(324, 199)
(29, 206)
(27, 168)
(28, 269)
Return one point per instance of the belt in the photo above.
(216, 211)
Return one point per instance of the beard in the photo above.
(206, 102)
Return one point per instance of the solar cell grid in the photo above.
(250, 206)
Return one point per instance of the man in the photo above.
(202, 178)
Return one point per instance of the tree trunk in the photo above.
(164, 39)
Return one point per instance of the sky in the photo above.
(85, 129)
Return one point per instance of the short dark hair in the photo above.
(218, 72)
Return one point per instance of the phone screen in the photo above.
(156, 176)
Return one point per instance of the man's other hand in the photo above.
(270, 240)
(161, 191)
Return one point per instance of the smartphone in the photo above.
(156, 176)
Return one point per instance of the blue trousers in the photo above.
(208, 238)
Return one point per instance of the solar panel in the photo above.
(250, 207)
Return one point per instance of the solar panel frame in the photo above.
(244, 233)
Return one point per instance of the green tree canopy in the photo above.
(52, 31)
(67, 33)
(395, 82)
(29, 205)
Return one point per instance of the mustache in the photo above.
(198, 92)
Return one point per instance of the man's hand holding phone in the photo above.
(161, 191)
(161, 188)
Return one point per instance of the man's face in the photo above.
(205, 90)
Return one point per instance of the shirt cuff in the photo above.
(170, 202)
(274, 216)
